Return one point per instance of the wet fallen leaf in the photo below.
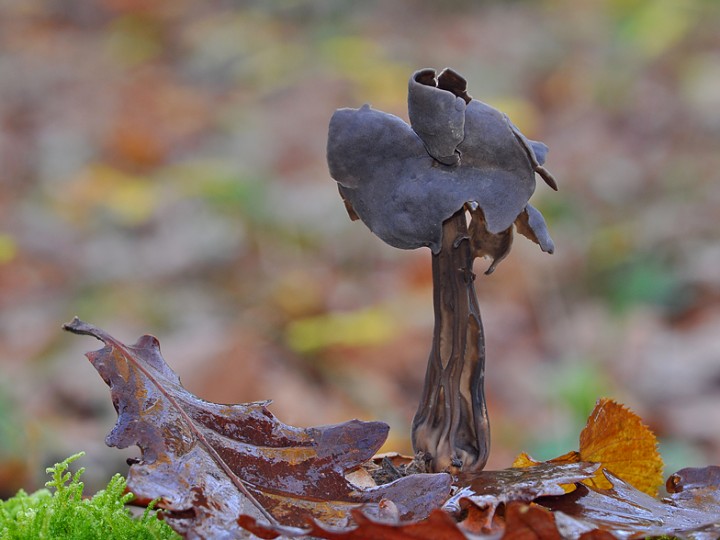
(697, 488)
(693, 482)
(478, 520)
(529, 522)
(616, 438)
(437, 526)
(628, 512)
(489, 489)
(209, 463)
(588, 513)
(232, 470)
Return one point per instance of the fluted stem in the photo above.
(451, 426)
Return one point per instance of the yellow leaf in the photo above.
(617, 438)
(364, 327)
(8, 248)
(525, 460)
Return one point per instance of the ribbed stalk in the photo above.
(450, 428)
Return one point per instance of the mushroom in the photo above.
(413, 186)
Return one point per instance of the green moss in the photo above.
(60, 512)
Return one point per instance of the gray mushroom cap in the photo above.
(403, 182)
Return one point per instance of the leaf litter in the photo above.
(236, 471)
(209, 463)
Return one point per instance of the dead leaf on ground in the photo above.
(529, 522)
(701, 485)
(437, 526)
(626, 511)
(616, 438)
(210, 463)
(489, 489)
(227, 470)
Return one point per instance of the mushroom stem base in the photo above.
(450, 429)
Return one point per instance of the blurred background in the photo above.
(162, 170)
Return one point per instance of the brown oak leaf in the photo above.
(210, 463)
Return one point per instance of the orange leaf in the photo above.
(617, 438)
(529, 522)
(525, 460)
